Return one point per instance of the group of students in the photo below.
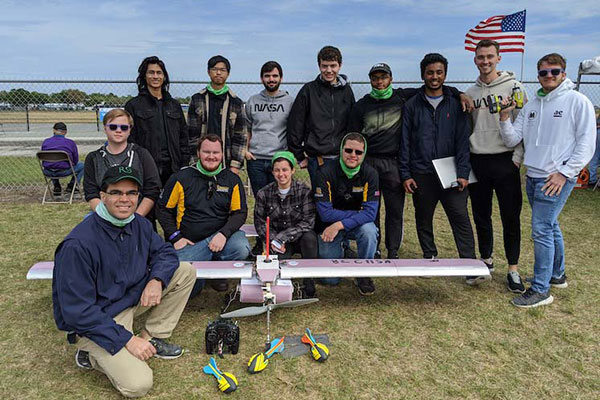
(355, 152)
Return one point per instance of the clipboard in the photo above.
(446, 172)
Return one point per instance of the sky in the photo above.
(108, 39)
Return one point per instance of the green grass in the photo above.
(415, 338)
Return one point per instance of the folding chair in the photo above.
(56, 156)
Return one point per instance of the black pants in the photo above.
(393, 194)
(425, 199)
(497, 172)
(306, 245)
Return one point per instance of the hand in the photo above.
(151, 294)
(554, 184)
(303, 163)
(181, 243)
(331, 231)
(505, 113)
(235, 170)
(410, 186)
(518, 165)
(217, 243)
(462, 184)
(250, 156)
(140, 348)
(467, 103)
(280, 249)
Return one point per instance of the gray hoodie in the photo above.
(267, 120)
(486, 138)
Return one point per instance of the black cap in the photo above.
(381, 67)
(60, 126)
(118, 173)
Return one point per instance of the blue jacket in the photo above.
(101, 270)
(429, 134)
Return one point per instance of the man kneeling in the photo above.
(111, 268)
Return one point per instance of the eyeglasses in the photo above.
(350, 151)
(215, 69)
(114, 127)
(118, 193)
(553, 71)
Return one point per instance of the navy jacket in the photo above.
(429, 134)
(101, 270)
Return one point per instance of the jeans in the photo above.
(60, 173)
(595, 161)
(236, 248)
(260, 173)
(366, 240)
(548, 245)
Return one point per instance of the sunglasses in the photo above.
(350, 151)
(114, 127)
(553, 71)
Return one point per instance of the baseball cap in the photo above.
(60, 126)
(380, 67)
(118, 173)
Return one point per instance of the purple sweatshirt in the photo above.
(59, 142)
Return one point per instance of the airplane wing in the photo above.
(204, 270)
(358, 268)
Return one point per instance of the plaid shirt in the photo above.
(290, 216)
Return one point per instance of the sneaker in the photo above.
(489, 263)
(220, 285)
(366, 287)
(392, 254)
(514, 282)
(476, 280)
(82, 359)
(165, 349)
(531, 299)
(308, 288)
(559, 282)
(57, 191)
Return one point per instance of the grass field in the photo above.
(414, 339)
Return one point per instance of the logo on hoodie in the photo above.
(270, 107)
(532, 115)
(557, 114)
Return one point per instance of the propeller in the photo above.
(257, 310)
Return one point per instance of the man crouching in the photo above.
(111, 268)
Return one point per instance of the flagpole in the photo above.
(522, 57)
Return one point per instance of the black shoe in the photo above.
(490, 265)
(257, 250)
(514, 282)
(57, 191)
(349, 253)
(392, 254)
(366, 287)
(165, 349)
(70, 189)
(308, 288)
(82, 359)
(559, 282)
(531, 299)
(220, 285)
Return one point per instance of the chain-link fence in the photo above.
(29, 109)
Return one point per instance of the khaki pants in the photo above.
(131, 376)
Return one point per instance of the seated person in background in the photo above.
(117, 152)
(291, 209)
(347, 197)
(202, 208)
(62, 168)
(111, 268)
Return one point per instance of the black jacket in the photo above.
(198, 206)
(145, 112)
(318, 119)
(428, 134)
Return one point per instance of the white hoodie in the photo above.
(558, 132)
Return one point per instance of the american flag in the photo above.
(507, 30)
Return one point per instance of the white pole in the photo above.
(522, 57)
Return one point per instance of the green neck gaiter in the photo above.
(210, 174)
(350, 172)
(541, 92)
(105, 215)
(219, 92)
(382, 94)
